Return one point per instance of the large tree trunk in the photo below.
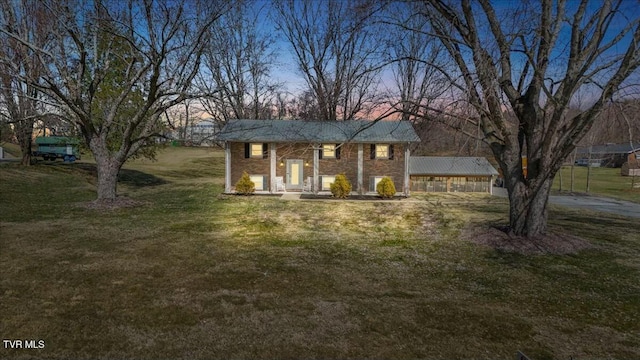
(25, 148)
(24, 134)
(528, 190)
(107, 180)
(26, 156)
(108, 168)
(528, 208)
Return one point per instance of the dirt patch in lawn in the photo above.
(500, 238)
(107, 205)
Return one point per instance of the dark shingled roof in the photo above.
(444, 166)
(356, 131)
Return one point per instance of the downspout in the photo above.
(227, 167)
(407, 155)
(316, 167)
(272, 167)
(361, 169)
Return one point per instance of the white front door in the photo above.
(294, 174)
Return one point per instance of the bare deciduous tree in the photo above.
(336, 49)
(618, 123)
(304, 106)
(530, 62)
(416, 62)
(182, 118)
(116, 67)
(21, 100)
(237, 65)
(628, 114)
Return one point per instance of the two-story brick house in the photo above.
(287, 155)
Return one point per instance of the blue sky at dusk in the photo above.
(286, 69)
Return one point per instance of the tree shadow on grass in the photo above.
(129, 177)
(137, 178)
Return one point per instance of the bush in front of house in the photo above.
(245, 186)
(385, 188)
(341, 187)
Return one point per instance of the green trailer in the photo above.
(54, 147)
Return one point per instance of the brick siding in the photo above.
(394, 168)
(253, 166)
(347, 163)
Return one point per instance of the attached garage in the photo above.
(451, 174)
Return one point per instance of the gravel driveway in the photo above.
(597, 203)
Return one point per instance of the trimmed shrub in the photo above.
(385, 188)
(341, 187)
(245, 186)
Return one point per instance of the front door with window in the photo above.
(294, 175)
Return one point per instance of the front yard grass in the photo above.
(196, 274)
(603, 181)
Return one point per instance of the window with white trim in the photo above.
(256, 150)
(374, 180)
(258, 180)
(326, 181)
(382, 151)
(328, 151)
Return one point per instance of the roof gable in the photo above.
(355, 131)
(445, 165)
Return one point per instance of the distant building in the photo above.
(201, 133)
(607, 155)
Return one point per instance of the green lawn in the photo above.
(603, 181)
(194, 274)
